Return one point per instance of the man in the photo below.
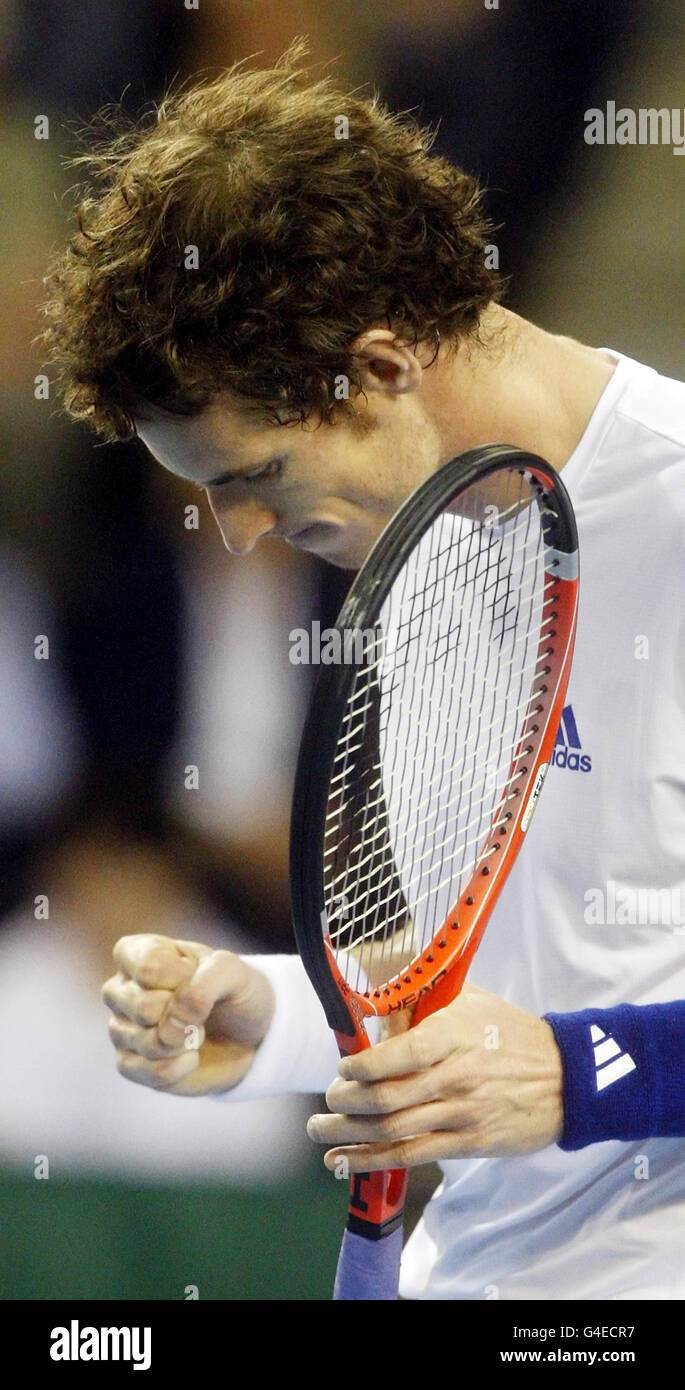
(292, 309)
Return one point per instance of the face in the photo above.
(329, 490)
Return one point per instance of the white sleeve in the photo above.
(299, 1052)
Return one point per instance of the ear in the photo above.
(387, 363)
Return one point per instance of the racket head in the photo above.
(507, 545)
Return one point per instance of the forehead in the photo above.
(223, 433)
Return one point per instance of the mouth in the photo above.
(309, 537)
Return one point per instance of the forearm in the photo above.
(623, 1072)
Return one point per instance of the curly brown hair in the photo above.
(304, 240)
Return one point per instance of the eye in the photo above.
(266, 470)
(255, 475)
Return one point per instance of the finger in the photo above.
(160, 1075)
(130, 1000)
(439, 1082)
(368, 1129)
(429, 1042)
(129, 1037)
(155, 962)
(407, 1153)
(222, 985)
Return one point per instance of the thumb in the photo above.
(234, 1000)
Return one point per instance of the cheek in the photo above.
(394, 481)
(370, 483)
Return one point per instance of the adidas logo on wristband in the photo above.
(610, 1063)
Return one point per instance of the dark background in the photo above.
(152, 627)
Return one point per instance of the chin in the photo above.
(343, 562)
(340, 549)
(350, 557)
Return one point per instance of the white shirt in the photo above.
(599, 1223)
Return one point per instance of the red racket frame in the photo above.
(435, 977)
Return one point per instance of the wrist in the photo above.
(555, 1085)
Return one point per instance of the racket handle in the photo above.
(368, 1269)
(369, 1262)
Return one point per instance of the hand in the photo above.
(187, 1019)
(479, 1078)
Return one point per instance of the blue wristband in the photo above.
(624, 1072)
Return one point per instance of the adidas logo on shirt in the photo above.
(567, 751)
(610, 1063)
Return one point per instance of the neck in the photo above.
(520, 386)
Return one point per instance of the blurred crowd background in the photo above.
(164, 651)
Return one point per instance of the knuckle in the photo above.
(149, 1010)
(332, 1094)
(383, 1097)
(125, 1062)
(156, 1080)
(116, 1031)
(403, 1155)
(128, 948)
(121, 946)
(421, 1048)
(466, 1117)
(471, 1118)
(391, 1125)
(164, 1071)
(460, 1077)
(424, 1088)
(111, 992)
(147, 973)
(152, 1049)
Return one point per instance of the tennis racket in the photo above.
(421, 763)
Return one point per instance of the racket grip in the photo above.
(369, 1261)
(368, 1269)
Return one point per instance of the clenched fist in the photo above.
(186, 1019)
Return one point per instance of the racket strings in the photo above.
(376, 803)
(435, 730)
(357, 711)
(384, 901)
(338, 784)
(370, 861)
(447, 574)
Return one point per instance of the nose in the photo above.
(242, 525)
